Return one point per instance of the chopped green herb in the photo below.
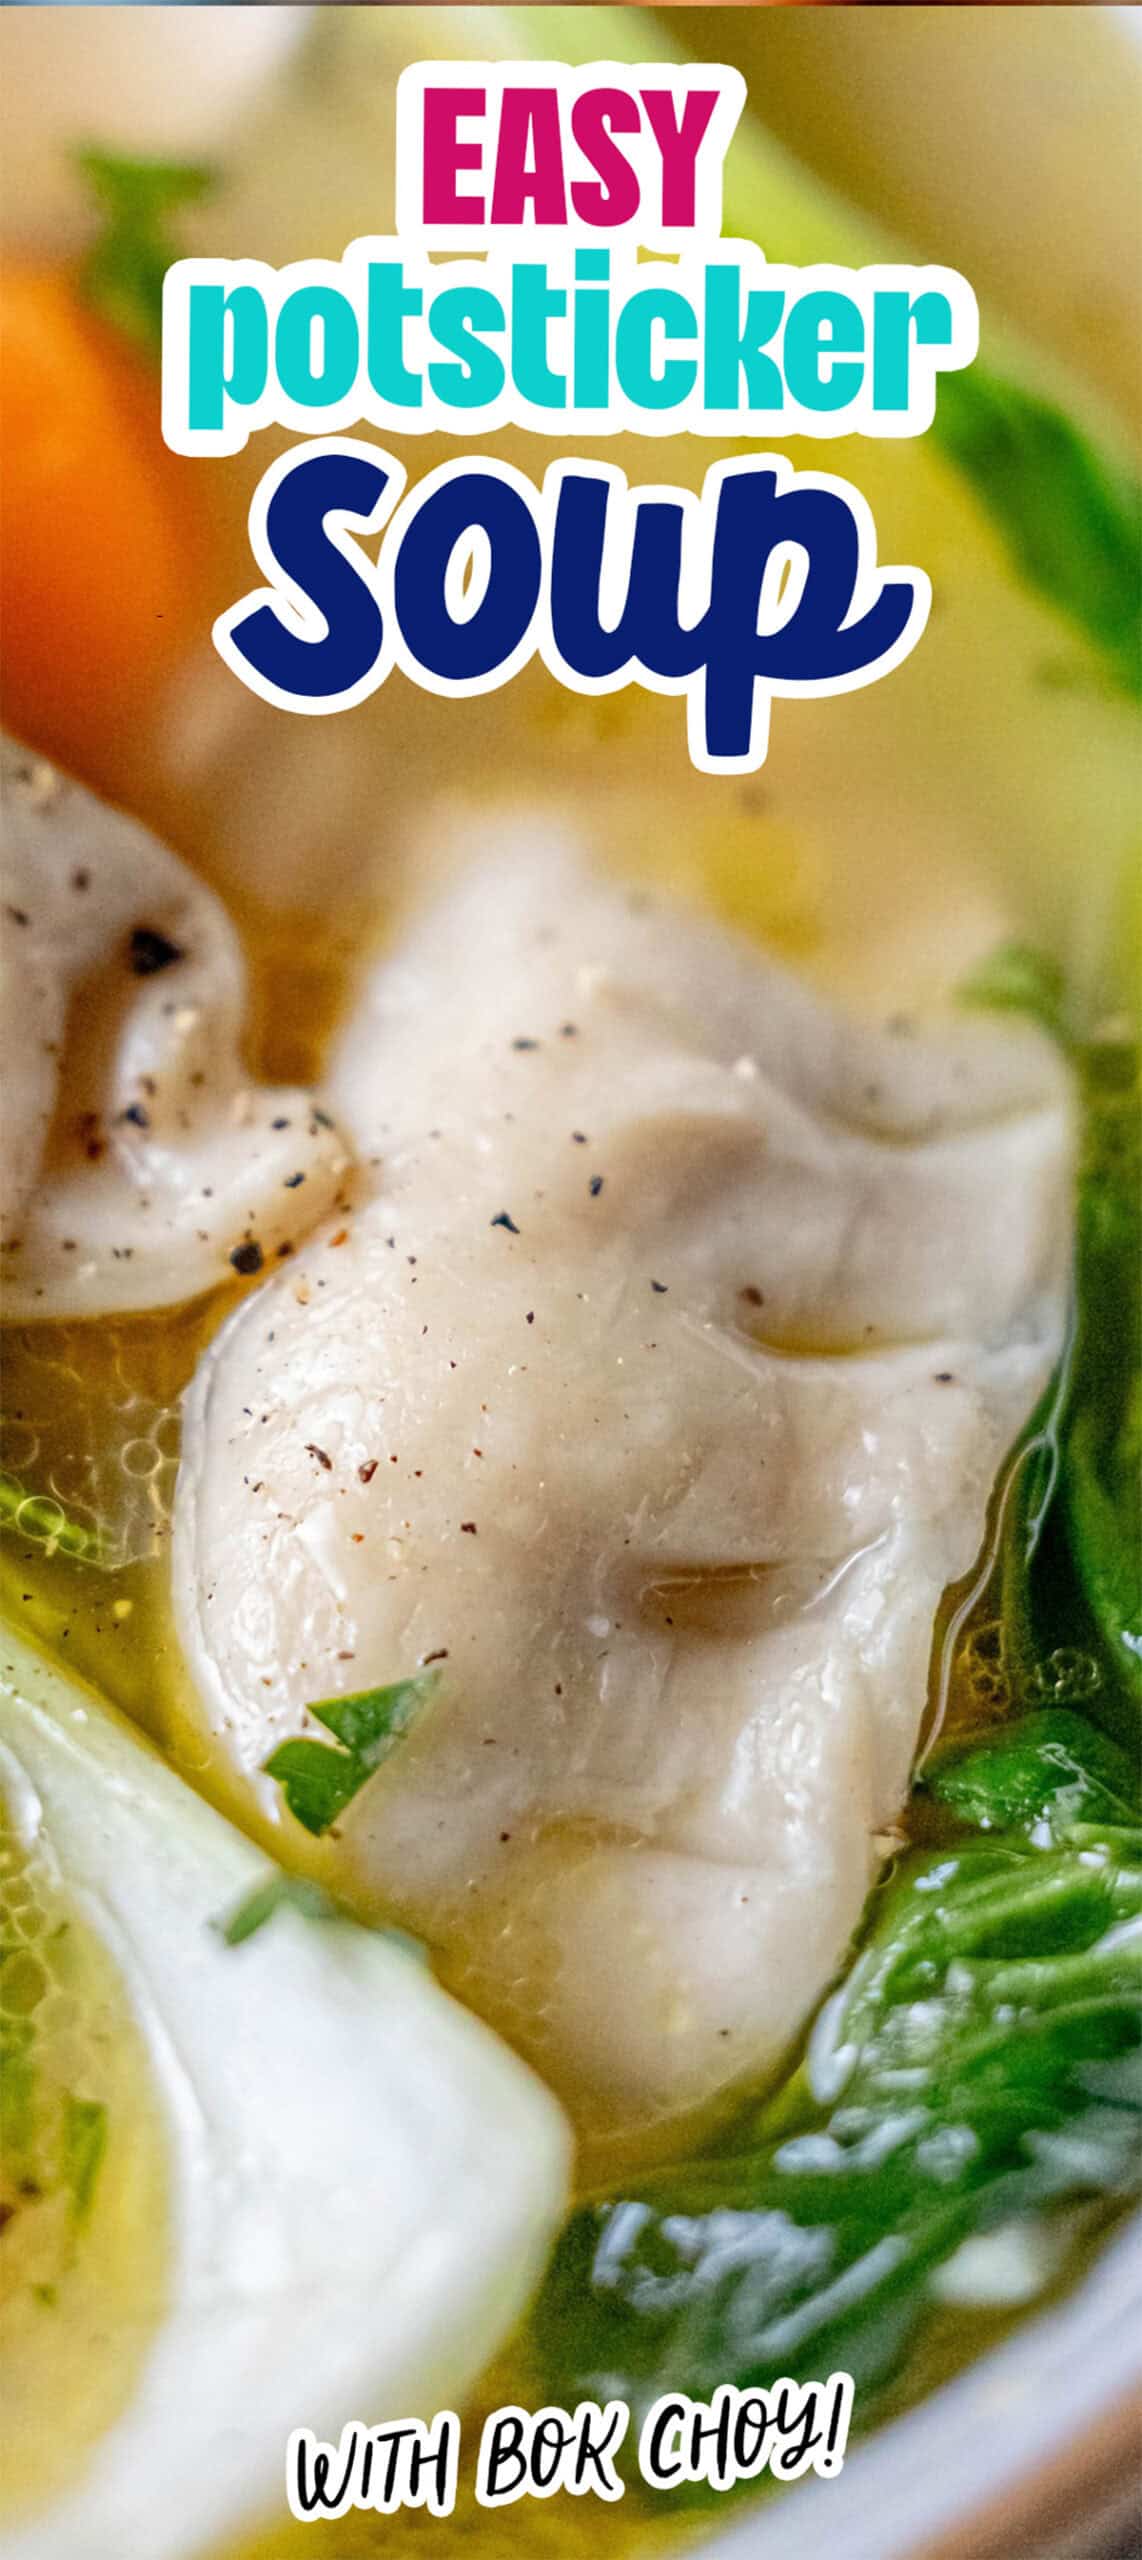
(318, 1782)
(84, 2144)
(123, 274)
(40, 1517)
(299, 1893)
(1015, 978)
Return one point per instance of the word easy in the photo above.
(765, 584)
(484, 147)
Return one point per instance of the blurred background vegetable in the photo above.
(1000, 761)
(103, 539)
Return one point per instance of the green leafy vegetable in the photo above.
(1102, 1474)
(123, 274)
(980, 2062)
(1052, 1769)
(1071, 1523)
(1071, 518)
(40, 1517)
(318, 1782)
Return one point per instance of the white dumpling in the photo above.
(655, 1395)
(136, 1157)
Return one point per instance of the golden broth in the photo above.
(83, 2206)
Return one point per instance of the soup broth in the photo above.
(83, 2243)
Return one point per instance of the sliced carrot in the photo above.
(101, 544)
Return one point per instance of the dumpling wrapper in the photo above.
(135, 1153)
(655, 1395)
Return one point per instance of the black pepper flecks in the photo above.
(247, 1258)
(595, 1185)
(322, 1455)
(148, 952)
(502, 1220)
